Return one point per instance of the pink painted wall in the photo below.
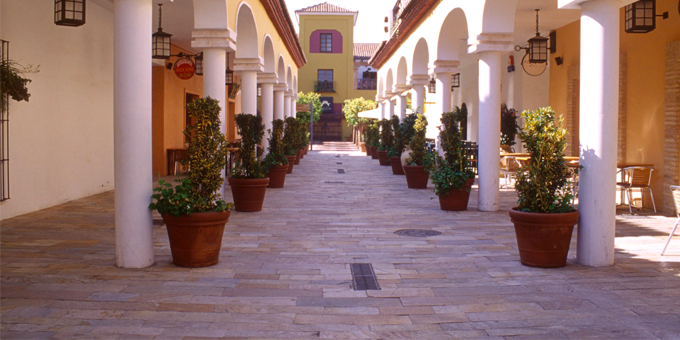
(315, 41)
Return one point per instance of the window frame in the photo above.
(326, 46)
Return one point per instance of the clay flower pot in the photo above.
(457, 199)
(196, 239)
(277, 176)
(416, 176)
(543, 239)
(302, 153)
(362, 146)
(248, 193)
(374, 152)
(368, 150)
(291, 163)
(298, 156)
(382, 158)
(397, 169)
(306, 149)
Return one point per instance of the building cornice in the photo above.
(278, 14)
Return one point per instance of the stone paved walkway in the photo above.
(284, 272)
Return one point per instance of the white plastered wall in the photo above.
(61, 142)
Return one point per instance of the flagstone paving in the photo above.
(284, 273)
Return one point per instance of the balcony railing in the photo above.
(324, 86)
(367, 84)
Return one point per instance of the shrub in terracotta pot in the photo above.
(544, 218)
(386, 141)
(194, 211)
(419, 160)
(452, 175)
(373, 138)
(275, 160)
(248, 179)
(394, 152)
(290, 138)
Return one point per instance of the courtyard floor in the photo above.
(284, 273)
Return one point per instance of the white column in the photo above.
(293, 105)
(249, 92)
(132, 133)
(381, 106)
(598, 128)
(418, 97)
(444, 92)
(390, 111)
(286, 105)
(489, 135)
(267, 111)
(401, 106)
(214, 64)
(279, 100)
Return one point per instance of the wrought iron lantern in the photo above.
(432, 86)
(229, 75)
(259, 90)
(199, 63)
(640, 16)
(538, 47)
(69, 12)
(455, 81)
(160, 40)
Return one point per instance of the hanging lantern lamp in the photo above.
(69, 12)
(160, 40)
(640, 16)
(199, 64)
(229, 76)
(432, 86)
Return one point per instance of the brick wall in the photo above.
(672, 124)
(623, 97)
(573, 109)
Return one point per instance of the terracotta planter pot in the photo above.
(397, 169)
(368, 150)
(248, 193)
(543, 239)
(416, 176)
(457, 199)
(277, 176)
(291, 163)
(196, 239)
(362, 147)
(298, 157)
(382, 158)
(306, 149)
(374, 152)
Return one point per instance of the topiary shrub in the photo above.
(398, 141)
(418, 145)
(207, 154)
(251, 129)
(386, 138)
(454, 169)
(406, 128)
(275, 155)
(541, 184)
(373, 134)
(290, 136)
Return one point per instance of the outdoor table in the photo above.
(174, 156)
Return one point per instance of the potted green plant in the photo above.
(275, 160)
(544, 218)
(419, 160)
(394, 153)
(248, 179)
(13, 83)
(386, 141)
(508, 127)
(290, 138)
(373, 138)
(452, 174)
(193, 211)
(407, 132)
(303, 141)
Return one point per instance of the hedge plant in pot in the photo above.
(373, 138)
(419, 160)
(193, 211)
(386, 141)
(275, 160)
(407, 132)
(248, 179)
(544, 218)
(508, 128)
(452, 174)
(302, 134)
(394, 153)
(290, 142)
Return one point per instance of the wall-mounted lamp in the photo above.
(640, 17)
(69, 12)
(160, 41)
(229, 75)
(455, 81)
(559, 61)
(259, 90)
(537, 48)
(432, 86)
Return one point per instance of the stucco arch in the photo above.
(210, 14)
(268, 53)
(402, 72)
(421, 57)
(247, 42)
(381, 87)
(289, 77)
(389, 82)
(281, 70)
(499, 16)
(295, 84)
(453, 30)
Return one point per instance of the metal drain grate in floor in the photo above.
(334, 182)
(338, 163)
(341, 171)
(417, 232)
(363, 277)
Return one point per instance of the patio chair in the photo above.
(509, 165)
(675, 192)
(636, 177)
